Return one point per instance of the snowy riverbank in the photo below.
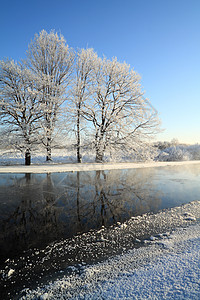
(159, 259)
(169, 268)
(50, 168)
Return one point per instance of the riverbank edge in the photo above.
(73, 167)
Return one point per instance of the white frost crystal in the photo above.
(11, 271)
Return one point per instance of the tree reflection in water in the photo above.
(37, 209)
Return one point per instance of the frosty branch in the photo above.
(57, 90)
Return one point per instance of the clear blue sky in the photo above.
(160, 39)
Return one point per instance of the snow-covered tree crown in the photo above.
(97, 98)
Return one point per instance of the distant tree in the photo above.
(82, 89)
(19, 107)
(121, 116)
(174, 142)
(50, 61)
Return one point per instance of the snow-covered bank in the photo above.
(153, 233)
(169, 268)
(50, 168)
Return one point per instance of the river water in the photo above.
(38, 209)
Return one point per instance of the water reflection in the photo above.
(36, 209)
(28, 214)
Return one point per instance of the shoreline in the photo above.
(131, 273)
(146, 237)
(73, 167)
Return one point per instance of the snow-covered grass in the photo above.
(174, 275)
(11, 157)
(162, 263)
(168, 268)
(50, 168)
(13, 162)
(165, 153)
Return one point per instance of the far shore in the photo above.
(73, 167)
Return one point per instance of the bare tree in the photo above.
(120, 114)
(102, 94)
(50, 61)
(82, 90)
(19, 106)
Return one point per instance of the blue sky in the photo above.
(159, 39)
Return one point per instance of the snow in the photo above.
(10, 272)
(141, 240)
(168, 268)
(50, 168)
(166, 265)
(180, 153)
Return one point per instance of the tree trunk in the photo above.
(100, 148)
(48, 148)
(99, 156)
(27, 158)
(48, 157)
(48, 135)
(78, 137)
(79, 157)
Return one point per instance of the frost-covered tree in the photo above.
(82, 90)
(104, 100)
(19, 107)
(121, 116)
(50, 60)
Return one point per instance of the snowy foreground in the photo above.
(169, 268)
(165, 266)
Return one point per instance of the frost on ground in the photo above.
(91, 166)
(165, 266)
(169, 268)
(13, 162)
